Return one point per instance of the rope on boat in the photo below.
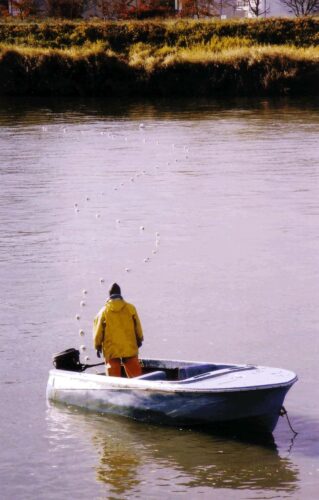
(284, 413)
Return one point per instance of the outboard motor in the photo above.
(68, 360)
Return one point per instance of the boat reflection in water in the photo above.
(143, 459)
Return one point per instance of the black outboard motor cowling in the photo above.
(68, 360)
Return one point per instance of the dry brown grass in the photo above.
(221, 66)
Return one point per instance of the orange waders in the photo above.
(131, 365)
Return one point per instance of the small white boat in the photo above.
(183, 393)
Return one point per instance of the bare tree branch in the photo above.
(258, 7)
(302, 7)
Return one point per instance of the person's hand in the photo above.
(139, 342)
(98, 352)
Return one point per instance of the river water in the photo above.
(207, 214)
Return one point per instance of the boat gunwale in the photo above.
(164, 386)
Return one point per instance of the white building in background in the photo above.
(269, 8)
(229, 9)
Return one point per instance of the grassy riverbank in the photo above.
(187, 58)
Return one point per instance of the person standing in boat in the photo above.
(117, 332)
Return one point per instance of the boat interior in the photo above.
(176, 371)
(153, 369)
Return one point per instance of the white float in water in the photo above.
(87, 198)
(82, 303)
(76, 205)
(87, 358)
(102, 280)
(97, 216)
(154, 251)
(83, 348)
(142, 125)
(118, 221)
(81, 333)
(132, 179)
(146, 259)
(77, 317)
(127, 270)
(142, 228)
(76, 210)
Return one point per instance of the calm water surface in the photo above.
(232, 189)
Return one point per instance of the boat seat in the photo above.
(193, 370)
(158, 375)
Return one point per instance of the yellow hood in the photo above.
(115, 305)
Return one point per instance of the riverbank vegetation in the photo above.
(302, 32)
(160, 58)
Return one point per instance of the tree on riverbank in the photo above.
(107, 9)
(145, 9)
(259, 7)
(206, 8)
(69, 9)
(302, 8)
(25, 8)
(3, 7)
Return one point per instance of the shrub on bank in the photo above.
(164, 72)
(302, 32)
(55, 72)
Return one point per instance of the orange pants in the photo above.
(132, 367)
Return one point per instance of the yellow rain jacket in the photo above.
(117, 329)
